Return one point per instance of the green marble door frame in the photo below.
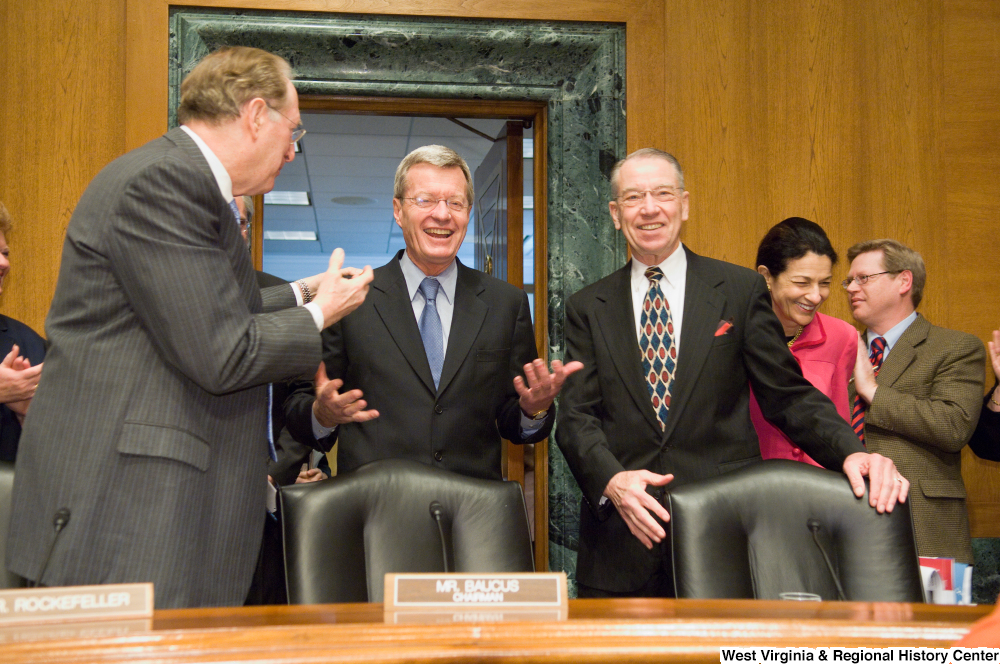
(577, 69)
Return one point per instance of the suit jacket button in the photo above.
(438, 409)
(438, 456)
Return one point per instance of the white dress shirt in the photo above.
(892, 336)
(672, 284)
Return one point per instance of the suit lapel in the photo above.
(467, 319)
(904, 352)
(703, 307)
(392, 303)
(616, 319)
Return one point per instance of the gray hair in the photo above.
(645, 153)
(435, 155)
(224, 80)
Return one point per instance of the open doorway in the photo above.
(338, 193)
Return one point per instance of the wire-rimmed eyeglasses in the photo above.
(862, 279)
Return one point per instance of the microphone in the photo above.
(59, 522)
(814, 525)
(436, 512)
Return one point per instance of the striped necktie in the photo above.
(876, 355)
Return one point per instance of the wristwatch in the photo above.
(539, 416)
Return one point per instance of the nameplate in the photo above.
(52, 631)
(51, 605)
(475, 591)
(468, 615)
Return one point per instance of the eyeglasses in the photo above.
(297, 131)
(862, 279)
(428, 203)
(660, 195)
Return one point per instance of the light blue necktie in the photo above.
(430, 328)
(270, 388)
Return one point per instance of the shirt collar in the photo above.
(414, 275)
(674, 267)
(218, 170)
(893, 335)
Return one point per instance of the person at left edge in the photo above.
(378, 393)
(162, 346)
(22, 352)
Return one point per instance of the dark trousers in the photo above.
(661, 584)
(268, 585)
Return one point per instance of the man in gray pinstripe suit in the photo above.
(150, 423)
(922, 407)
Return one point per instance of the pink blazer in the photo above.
(826, 351)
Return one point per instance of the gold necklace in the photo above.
(797, 334)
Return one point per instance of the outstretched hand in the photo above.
(332, 408)
(994, 353)
(542, 387)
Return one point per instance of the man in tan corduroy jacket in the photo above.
(921, 406)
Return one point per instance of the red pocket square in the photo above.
(724, 327)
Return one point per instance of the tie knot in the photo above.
(429, 288)
(654, 274)
(878, 345)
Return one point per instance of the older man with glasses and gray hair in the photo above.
(149, 431)
(430, 367)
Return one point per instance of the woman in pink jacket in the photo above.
(796, 259)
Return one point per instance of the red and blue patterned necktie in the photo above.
(656, 341)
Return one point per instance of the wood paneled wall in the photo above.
(807, 109)
(970, 182)
(61, 98)
(873, 119)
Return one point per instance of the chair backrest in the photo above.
(745, 535)
(344, 534)
(7, 579)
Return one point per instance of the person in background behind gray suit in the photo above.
(268, 585)
(150, 424)
(291, 454)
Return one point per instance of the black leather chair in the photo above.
(7, 580)
(344, 534)
(746, 534)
